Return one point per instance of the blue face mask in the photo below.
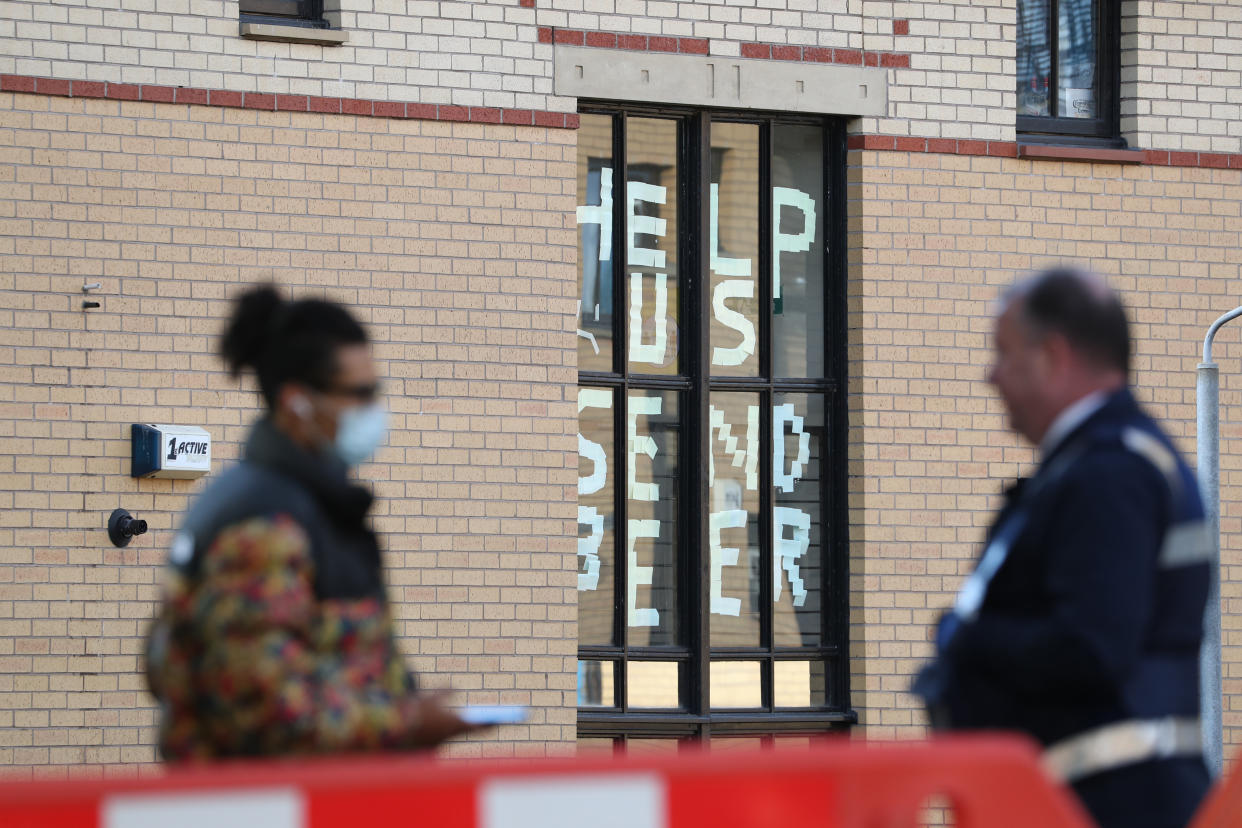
(360, 430)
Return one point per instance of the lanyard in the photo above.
(970, 596)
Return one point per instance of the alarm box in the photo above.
(181, 452)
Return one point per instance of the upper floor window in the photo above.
(1068, 70)
(284, 12)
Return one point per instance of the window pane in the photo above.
(597, 684)
(798, 431)
(733, 541)
(720, 744)
(799, 684)
(651, 563)
(282, 8)
(735, 684)
(798, 219)
(595, 242)
(595, 745)
(597, 458)
(734, 249)
(1077, 82)
(651, 245)
(653, 684)
(1034, 57)
(651, 747)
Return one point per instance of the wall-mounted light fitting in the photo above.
(123, 527)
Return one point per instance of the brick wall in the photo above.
(933, 237)
(1182, 75)
(462, 53)
(451, 242)
(951, 62)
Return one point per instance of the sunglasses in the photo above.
(366, 393)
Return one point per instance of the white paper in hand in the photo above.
(493, 714)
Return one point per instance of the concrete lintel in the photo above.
(293, 34)
(733, 83)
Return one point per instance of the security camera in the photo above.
(122, 527)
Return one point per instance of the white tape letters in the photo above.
(640, 575)
(722, 557)
(733, 289)
(783, 480)
(786, 552)
(601, 214)
(783, 197)
(588, 547)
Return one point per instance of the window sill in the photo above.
(293, 34)
(1064, 153)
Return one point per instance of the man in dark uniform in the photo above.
(1082, 622)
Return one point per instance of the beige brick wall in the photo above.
(1182, 75)
(455, 244)
(960, 83)
(1182, 64)
(932, 238)
(462, 53)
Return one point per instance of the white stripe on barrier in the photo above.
(269, 808)
(613, 801)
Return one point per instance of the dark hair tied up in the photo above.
(287, 341)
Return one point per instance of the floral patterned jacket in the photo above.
(274, 637)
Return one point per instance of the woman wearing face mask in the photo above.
(275, 636)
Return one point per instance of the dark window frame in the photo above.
(306, 13)
(1105, 130)
(697, 721)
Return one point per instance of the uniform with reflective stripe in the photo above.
(1083, 630)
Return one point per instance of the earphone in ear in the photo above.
(300, 405)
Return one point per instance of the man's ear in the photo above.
(1058, 352)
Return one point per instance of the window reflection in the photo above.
(798, 434)
(1034, 58)
(653, 684)
(798, 222)
(733, 222)
(1077, 72)
(652, 284)
(652, 423)
(733, 540)
(736, 684)
(1076, 59)
(597, 684)
(595, 242)
(799, 684)
(596, 515)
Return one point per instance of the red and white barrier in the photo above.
(989, 781)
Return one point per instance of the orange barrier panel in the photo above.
(990, 781)
(1223, 806)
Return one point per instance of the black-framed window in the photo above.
(287, 12)
(712, 580)
(1069, 59)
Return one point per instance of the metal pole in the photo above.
(1206, 396)
(1207, 406)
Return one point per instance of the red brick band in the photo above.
(818, 54)
(630, 42)
(285, 103)
(1009, 149)
(700, 46)
(947, 146)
